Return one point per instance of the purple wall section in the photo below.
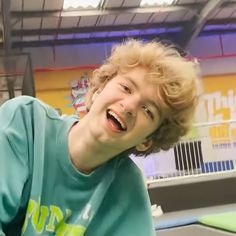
(217, 54)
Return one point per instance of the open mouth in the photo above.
(116, 121)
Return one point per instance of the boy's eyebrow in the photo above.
(154, 104)
(131, 81)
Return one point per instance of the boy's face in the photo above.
(125, 112)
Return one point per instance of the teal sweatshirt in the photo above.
(41, 192)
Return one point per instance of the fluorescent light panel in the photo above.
(80, 3)
(156, 2)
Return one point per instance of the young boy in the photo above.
(60, 176)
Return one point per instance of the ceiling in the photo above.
(37, 23)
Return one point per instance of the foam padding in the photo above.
(164, 224)
(226, 221)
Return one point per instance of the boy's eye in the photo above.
(148, 112)
(125, 88)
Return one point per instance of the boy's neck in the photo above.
(86, 153)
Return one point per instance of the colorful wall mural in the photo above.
(64, 89)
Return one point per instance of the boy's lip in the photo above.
(118, 118)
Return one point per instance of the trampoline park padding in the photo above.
(225, 221)
(193, 230)
(180, 221)
(194, 222)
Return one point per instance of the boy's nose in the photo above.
(130, 106)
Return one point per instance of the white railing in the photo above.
(209, 150)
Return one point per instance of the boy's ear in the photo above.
(144, 146)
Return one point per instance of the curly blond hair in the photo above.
(176, 79)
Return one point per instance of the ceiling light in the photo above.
(156, 2)
(80, 3)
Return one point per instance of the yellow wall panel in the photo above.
(220, 105)
(220, 97)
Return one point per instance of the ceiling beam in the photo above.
(50, 43)
(217, 32)
(228, 3)
(96, 12)
(96, 29)
(195, 26)
(220, 21)
(170, 36)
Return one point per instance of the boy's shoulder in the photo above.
(130, 173)
(29, 105)
(24, 100)
(21, 101)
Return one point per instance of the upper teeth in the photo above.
(117, 118)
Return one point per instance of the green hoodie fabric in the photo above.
(41, 193)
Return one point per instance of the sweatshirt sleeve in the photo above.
(13, 160)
